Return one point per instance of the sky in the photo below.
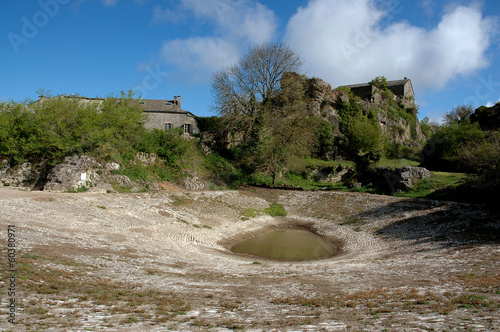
(162, 48)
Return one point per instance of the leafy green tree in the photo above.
(427, 127)
(488, 118)
(365, 141)
(458, 115)
(442, 150)
(53, 128)
(325, 139)
(168, 145)
(379, 82)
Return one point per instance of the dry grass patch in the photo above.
(47, 284)
(381, 300)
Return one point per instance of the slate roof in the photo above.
(389, 83)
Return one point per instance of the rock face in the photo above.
(399, 130)
(331, 174)
(193, 182)
(401, 178)
(24, 175)
(324, 101)
(77, 172)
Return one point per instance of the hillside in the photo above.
(397, 118)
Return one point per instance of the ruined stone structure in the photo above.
(402, 89)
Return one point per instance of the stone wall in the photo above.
(159, 120)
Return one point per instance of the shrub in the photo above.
(442, 150)
(276, 209)
(379, 82)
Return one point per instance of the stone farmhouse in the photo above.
(402, 89)
(161, 113)
(168, 114)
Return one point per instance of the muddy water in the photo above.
(290, 244)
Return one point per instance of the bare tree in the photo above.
(459, 115)
(242, 89)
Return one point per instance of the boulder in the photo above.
(402, 178)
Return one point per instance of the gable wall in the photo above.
(157, 120)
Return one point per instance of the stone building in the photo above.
(168, 114)
(402, 89)
(160, 113)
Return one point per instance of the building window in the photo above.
(167, 103)
(187, 128)
(168, 125)
(142, 102)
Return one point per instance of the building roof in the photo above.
(389, 83)
(149, 105)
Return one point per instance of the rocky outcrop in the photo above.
(24, 175)
(193, 182)
(400, 130)
(324, 101)
(401, 178)
(331, 174)
(80, 173)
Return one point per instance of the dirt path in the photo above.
(159, 261)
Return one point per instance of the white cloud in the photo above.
(343, 43)
(198, 57)
(235, 25)
(245, 19)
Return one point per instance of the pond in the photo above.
(286, 244)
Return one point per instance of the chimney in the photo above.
(179, 100)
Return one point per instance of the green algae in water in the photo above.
(287, 244)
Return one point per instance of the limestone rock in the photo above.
(193, 182)
(24, 175)
(331, 174)
(74, 173)
(402, 178)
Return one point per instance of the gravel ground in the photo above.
(160, 261)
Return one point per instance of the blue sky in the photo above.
(161, 48)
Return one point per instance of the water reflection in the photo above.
(291, 244)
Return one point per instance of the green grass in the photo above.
(276, 209)
(314, 162)
(250, 213)
(397, 162)
(437, 181)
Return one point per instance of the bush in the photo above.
(275, 210)
(379, 82)
(168, 145)
(442, 150)
(52, 129)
